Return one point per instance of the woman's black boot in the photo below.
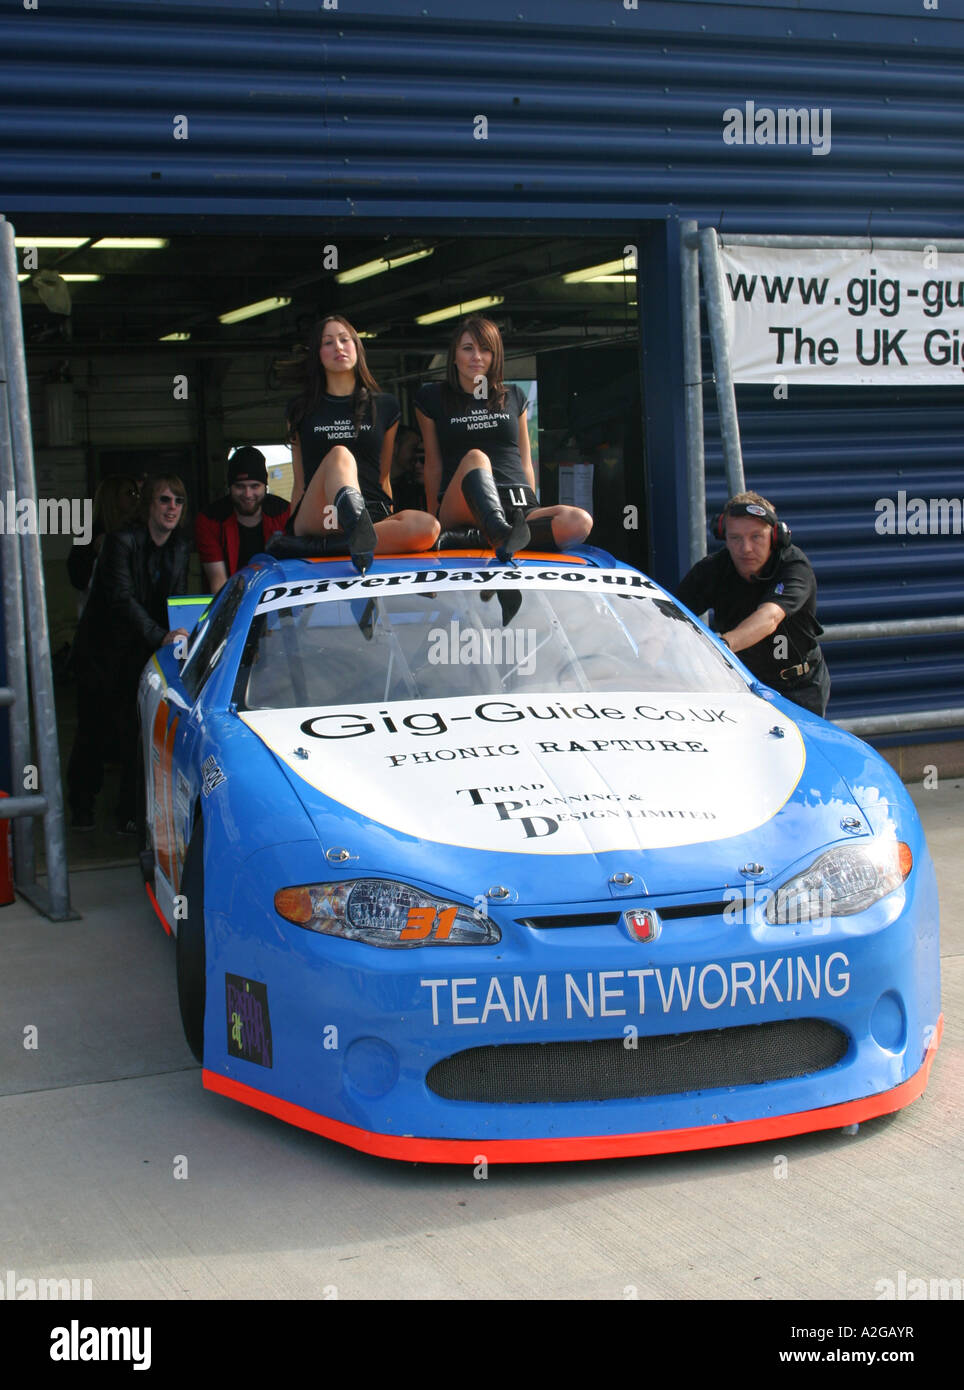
(461, 538)
(357, 525)
(505, 537)
(541, 534)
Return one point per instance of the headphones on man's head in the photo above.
(779, 530)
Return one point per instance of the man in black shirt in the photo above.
(124, 621)
(763, 593)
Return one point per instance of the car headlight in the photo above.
(842, 881)
(384, 913)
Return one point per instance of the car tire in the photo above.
(190, 945)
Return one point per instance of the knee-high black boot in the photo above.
(540, 531)
(479, 490)
(306, 547)
(461, 538)
(357, 525)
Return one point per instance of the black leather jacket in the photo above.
(124, 619)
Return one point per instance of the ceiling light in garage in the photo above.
(596, 272)
(52, 243)
(76, 278)
(370, 268)
(130, 243)
(468, 306)
(174, 338)
(251, 311)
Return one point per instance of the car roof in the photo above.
(273, 571)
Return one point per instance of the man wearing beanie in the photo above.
(230, 531)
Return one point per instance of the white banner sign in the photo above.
(844, 318)
(547, 773)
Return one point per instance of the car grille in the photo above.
(668, 912)
(605, 1069)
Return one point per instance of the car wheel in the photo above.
(190, 944)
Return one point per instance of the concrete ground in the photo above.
(96, 1120)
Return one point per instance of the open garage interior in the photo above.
(149, 352)
(144, 372)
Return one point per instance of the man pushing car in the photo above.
(763, 593)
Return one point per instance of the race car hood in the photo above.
(558, 793)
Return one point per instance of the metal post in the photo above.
(837, 243)
(910, 723)
(898, 627)
(693, 391)
(24, 860)
(55, 903)
(725, 393)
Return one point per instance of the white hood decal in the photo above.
(549, 774)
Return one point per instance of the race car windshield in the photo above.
(474, 641)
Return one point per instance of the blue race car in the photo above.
(640, 903)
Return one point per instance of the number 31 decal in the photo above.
(422, 923)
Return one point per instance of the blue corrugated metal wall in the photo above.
(593, 110)
(825, 456)
(364, 116)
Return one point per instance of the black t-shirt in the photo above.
(463, 423)
(714, 583)
(250, 543)
(332, 421)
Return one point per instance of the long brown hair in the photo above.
(316, 380)
(111, 493)
(486, 335)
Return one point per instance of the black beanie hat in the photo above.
(247, 465)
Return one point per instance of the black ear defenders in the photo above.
(779, 530)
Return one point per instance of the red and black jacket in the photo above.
(216, 529)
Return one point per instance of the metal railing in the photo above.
(910, 721)
(701, 250)
(25, 619)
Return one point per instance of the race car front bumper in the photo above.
(351, 1040)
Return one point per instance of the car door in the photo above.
(171, 722)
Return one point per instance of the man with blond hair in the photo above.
(763, 593)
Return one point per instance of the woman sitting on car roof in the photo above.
(341, 429)
(477, 457)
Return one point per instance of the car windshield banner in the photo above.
(838, 317)
(292, 595)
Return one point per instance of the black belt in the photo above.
(804, 668)
(513, 495)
